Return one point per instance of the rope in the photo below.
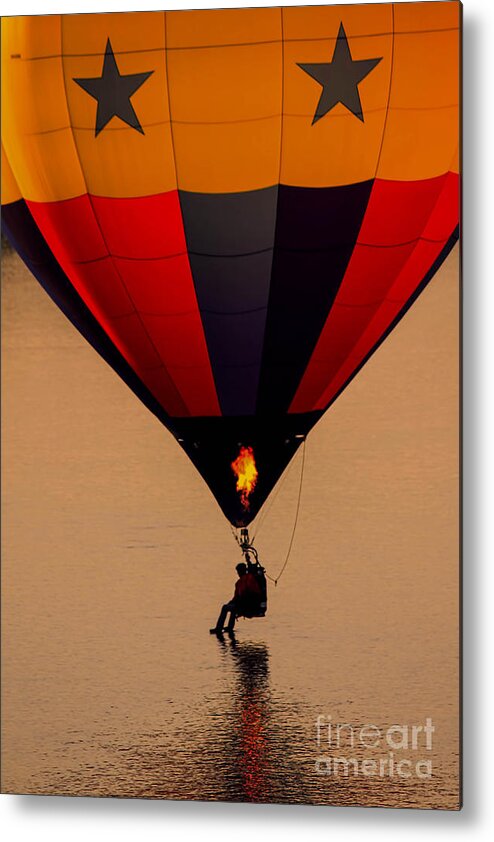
(235, 534)
(269, 505)
(280, 574)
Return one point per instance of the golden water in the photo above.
(116, 560)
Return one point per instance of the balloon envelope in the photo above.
(234, 207)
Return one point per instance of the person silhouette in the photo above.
(245, 601)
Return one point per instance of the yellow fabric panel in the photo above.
(225, 84)
(120, 161)
(225, 101)
(410, 17)
(302, 23)
(222, 27)
(128, 32)
(10, 190)
(33, 37)
(422, 128)
(226, 73)
(232, 159)
(339, 148)
(35, 122)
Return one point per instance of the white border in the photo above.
(38, 7)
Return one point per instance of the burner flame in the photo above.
(244, 468)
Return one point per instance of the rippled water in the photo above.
(116, 560)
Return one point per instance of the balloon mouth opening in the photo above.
(245, 471)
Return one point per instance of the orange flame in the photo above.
(244, 468)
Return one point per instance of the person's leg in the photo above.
(233, 617)
(222, 618)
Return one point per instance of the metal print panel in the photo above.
(251, 216)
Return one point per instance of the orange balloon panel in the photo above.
(427, 17)
(222, 27)
(421, 136)
(339, 149)
(122, 162)
(306, 23)
(36, 129)
(240, 105)
(226, 111)
(10, 190)
(235, 207)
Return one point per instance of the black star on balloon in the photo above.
(340, 78)
(113, 91)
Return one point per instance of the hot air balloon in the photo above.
(234, 207)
